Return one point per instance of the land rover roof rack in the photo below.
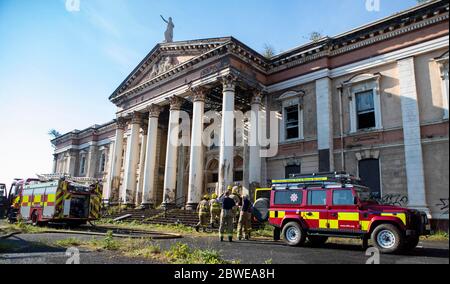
(322, 179)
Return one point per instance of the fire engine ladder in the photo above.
(55, 177)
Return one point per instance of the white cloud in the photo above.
(73, 5)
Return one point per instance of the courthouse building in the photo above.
(372, 101)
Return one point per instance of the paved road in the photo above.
(34, 249)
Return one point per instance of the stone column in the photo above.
(116, 162)
(170, 176)
(107, 185)
(71, 163)
(196, 163)
(132, 159)
(324, 125)
(92, 161)
(412, 136)
(140, 187)
(150, 173)
(226, 145)
(254, 143)
(55, 163)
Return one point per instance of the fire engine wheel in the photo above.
(293, 234)
(388, 238)
(34, 219)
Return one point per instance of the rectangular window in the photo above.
(343, 197)
(83, 165)
(292, 122)
(317, 197)
(288, 197)
(215, 178)
(102, 162)
(365, 110)
(292, 170)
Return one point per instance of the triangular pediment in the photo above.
(166, 57)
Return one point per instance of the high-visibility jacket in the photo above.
(203, 207)
(215, 205)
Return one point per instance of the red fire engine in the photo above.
(316, 207)
(55, 199)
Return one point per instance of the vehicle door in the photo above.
(315, 213)
(343, 211)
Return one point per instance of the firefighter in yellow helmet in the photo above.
(203, 212)
(215, 208)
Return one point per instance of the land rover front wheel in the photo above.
(293, 234)
(388, 239)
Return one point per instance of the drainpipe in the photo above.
(341, 126)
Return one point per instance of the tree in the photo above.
(54, 133)
(315, 36)
(269, 51)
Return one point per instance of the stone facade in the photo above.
(372, 101)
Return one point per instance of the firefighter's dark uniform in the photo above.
(245, 220)
(226, 218)
(203, 212)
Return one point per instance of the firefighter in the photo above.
(203, 211)
(226, 217)
(245, 219)
(237, 200)
(215, 208)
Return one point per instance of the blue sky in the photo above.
(58, 67)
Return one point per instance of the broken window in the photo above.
(83, 165)
(292, 122)
(102, 162)
(238, 176)
(365, 110)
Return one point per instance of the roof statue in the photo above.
(169, 31)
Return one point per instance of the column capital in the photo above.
(198, 94)
(229, 82)
(175, 103)
(136, 118)
(257, 97)
(121, 123)
(154, 111)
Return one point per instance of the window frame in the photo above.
(340, 190)
(443, 63)
(360, 84)
(316, 190)
(289, 100)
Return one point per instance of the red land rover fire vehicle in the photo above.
(320, 206)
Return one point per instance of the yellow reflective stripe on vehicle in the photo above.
(334, 224)
(51, 198)
(365, 225)
(277, 214)
(323, 224)
(401, 216)
(37, 198)
(300, 180)
(348, 216)
(311, 215)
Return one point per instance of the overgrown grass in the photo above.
(23, 228)
(180, 253)
(438, 236)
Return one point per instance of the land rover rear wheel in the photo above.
(388, 239)
(293, 234)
